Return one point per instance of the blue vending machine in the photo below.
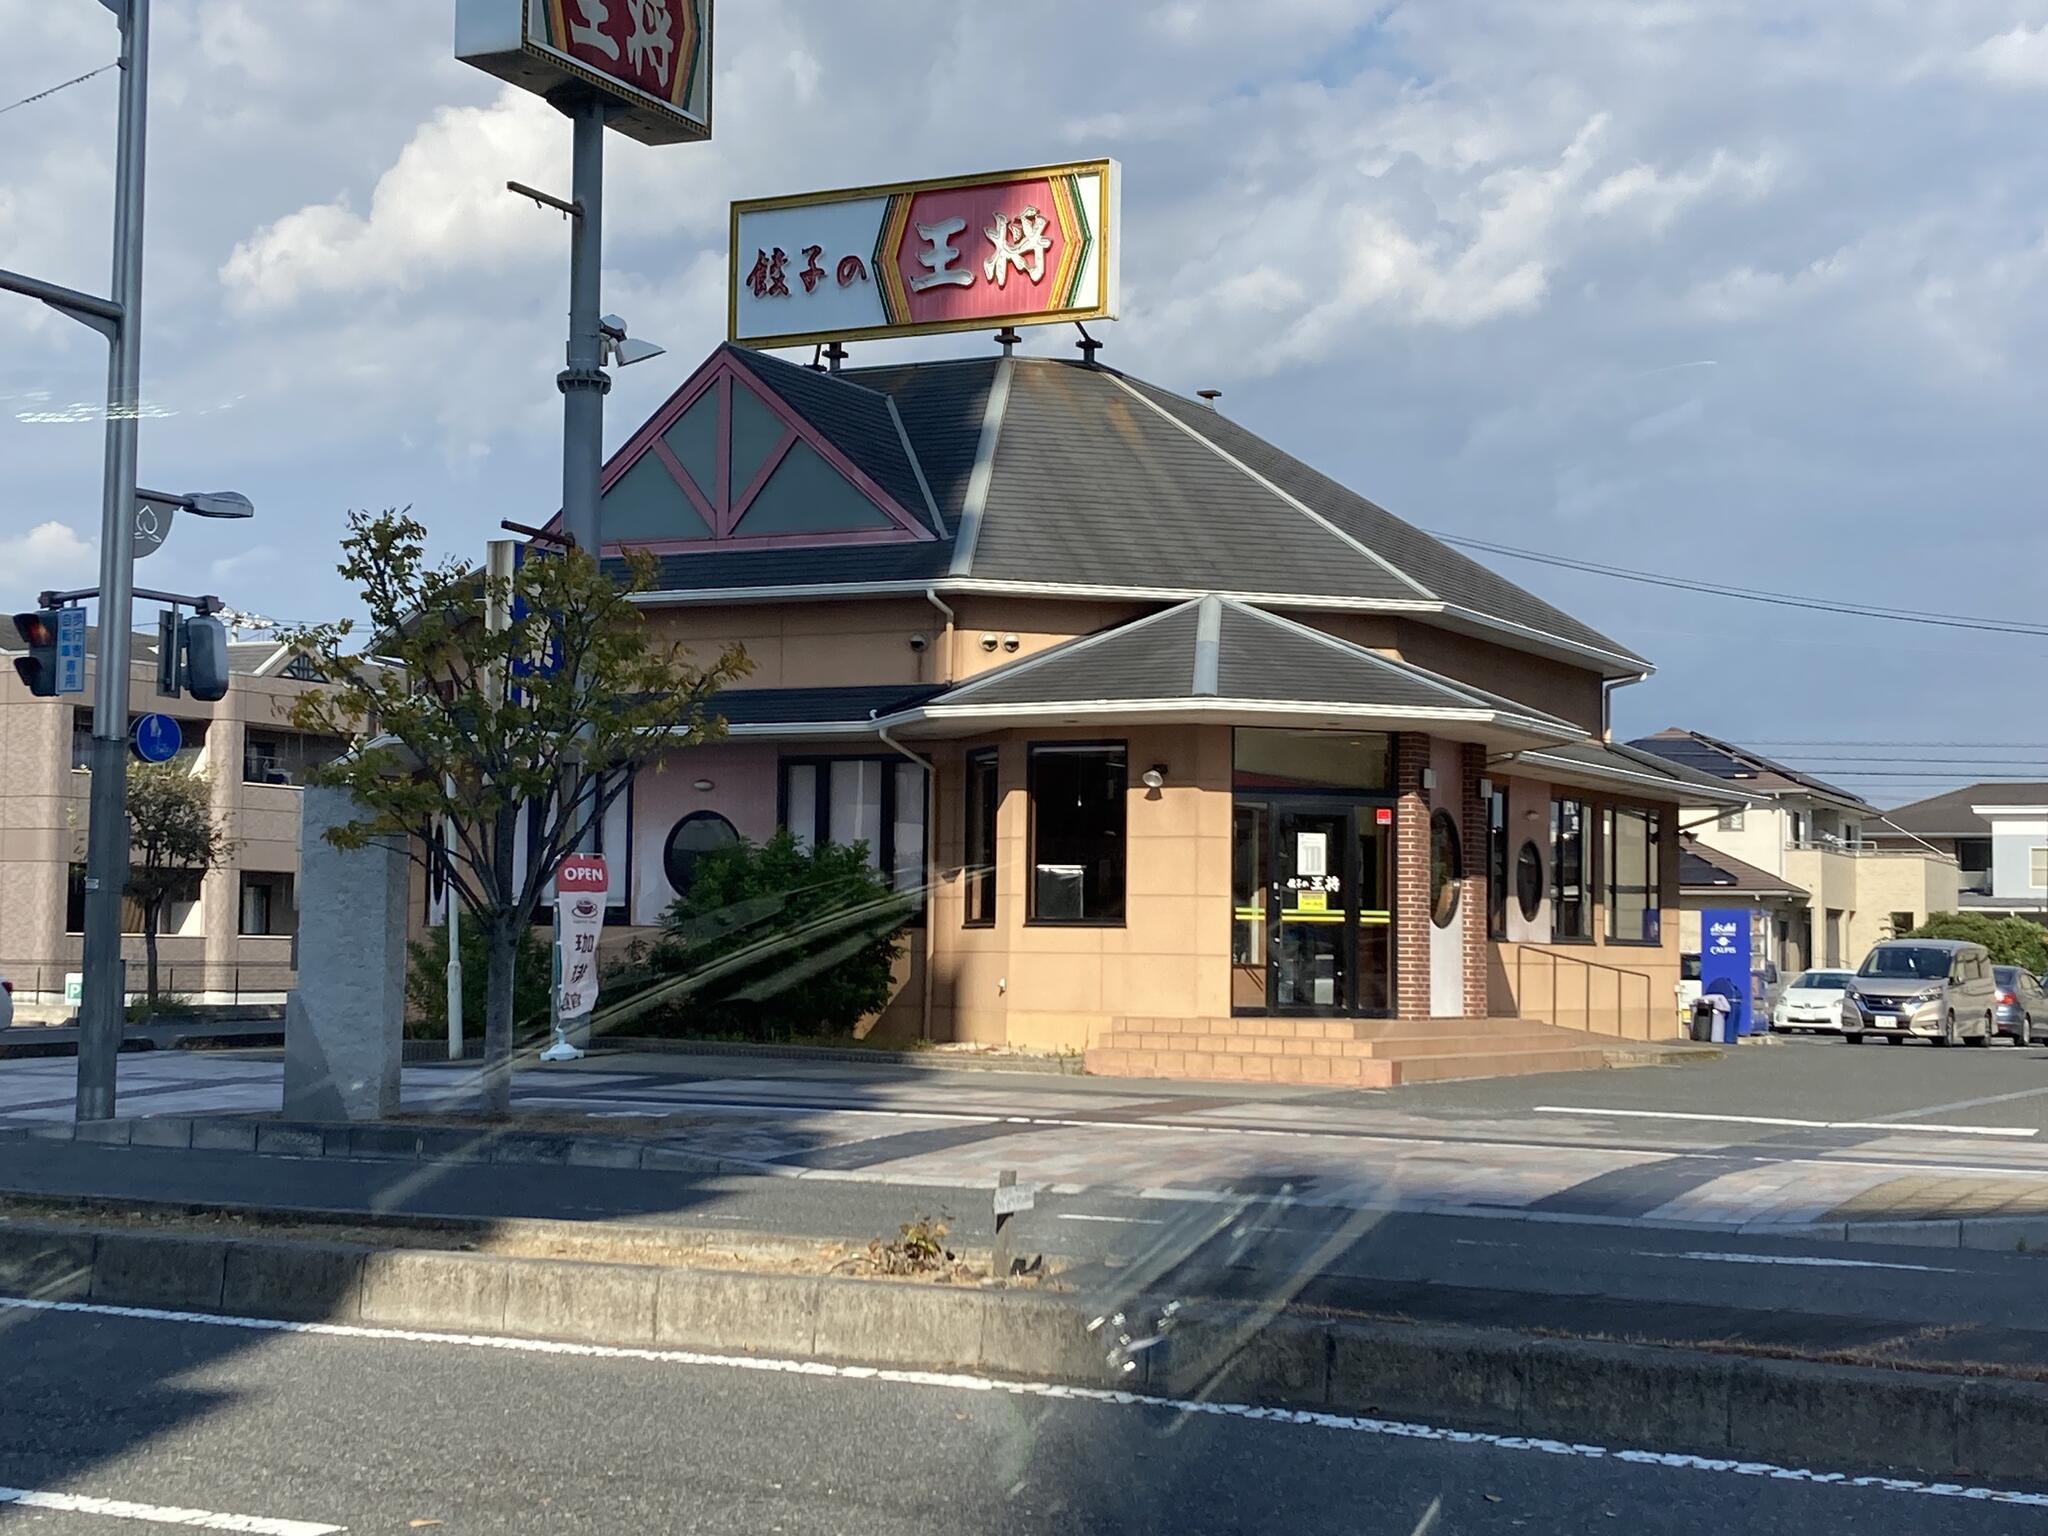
(1725, 964)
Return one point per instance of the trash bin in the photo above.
(1703, 1013)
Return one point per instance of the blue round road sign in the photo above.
(157, 738)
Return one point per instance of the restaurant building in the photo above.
(1199, 761)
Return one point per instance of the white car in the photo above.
(1813, 1001)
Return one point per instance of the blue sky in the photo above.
(1749, 291)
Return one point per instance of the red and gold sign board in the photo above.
(650, 59)
(1030, 247)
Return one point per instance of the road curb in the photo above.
(1640, 1397)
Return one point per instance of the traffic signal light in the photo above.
(38, 668)
(205, 645)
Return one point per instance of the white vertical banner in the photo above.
(580, 886)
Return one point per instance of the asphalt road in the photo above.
(1915, 1304)
(253, 1428)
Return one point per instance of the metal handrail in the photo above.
(1588, 966)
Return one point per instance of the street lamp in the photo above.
(618, 348)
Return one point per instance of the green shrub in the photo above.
(426, 983)
(772, 940)
(2012, 940)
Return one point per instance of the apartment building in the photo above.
(1835, 888)
(234, 933)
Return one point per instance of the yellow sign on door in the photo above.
(1313, 901)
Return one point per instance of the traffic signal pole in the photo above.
(102, 1009)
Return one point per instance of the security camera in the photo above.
(988, 640)
(1010, 642)
(920, 640)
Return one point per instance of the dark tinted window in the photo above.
(1077, 833)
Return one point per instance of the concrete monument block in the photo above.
(345, 1022)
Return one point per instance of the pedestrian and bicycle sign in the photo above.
(156, 738)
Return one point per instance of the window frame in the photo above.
(821, 823)
(1587, 882)
(2037, 867)
(1032, 749)
(1731, 818)
(1652, 890)
(1497, 870)
(981, 770)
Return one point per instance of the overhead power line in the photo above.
(1945, 746)
(1748, 595)
(53, 90)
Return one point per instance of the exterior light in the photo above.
(704, 786)
(1155, 776)
(619, 347)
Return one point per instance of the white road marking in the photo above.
(1802, 1125)
(162, 1514)
(1942, 1109)
(1798, 1261)
(952, 1381)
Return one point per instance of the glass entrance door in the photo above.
(1310, 912)
(1312, 906)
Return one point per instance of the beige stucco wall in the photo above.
(1056, 987)
(1886, 883)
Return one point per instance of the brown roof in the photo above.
(1949, 815)
(1709, 869)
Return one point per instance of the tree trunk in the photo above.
(502, 941)
(151, 911)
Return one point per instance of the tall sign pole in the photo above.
(103, 1005)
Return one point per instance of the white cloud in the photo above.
(1656, 198)
(2017, 59)
(442, 205)
(49, 555)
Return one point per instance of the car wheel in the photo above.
(1948, 1031)
(1852, 1039)
(1894, 1039)
(1990, 1032)
(2026, 1029)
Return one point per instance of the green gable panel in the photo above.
(755, 430)
(694, 440)
(807, 495)
(646, 503)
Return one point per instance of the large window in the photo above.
(1568, 870)
(875, 801)
(1077, 833)
(1634, 900)
(270, 907)
(2037, 868)
(978, 839)
(182, 912)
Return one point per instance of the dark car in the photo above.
(2021, 1002)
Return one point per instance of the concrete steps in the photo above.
(1352, 1053)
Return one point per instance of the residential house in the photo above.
(1996, 833)
(1842, 891)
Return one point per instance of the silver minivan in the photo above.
(1936, 989)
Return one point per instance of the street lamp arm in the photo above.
(103, 315)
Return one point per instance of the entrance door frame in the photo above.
(1345, 805)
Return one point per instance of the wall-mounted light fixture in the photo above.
(704, 786)
(1486, 789)
(1154, 777)
(1429, 778)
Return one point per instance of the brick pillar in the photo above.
(1472, 831)
(1411, 877)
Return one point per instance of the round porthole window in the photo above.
(1446, 869)
(1529, 880)
(688, 840)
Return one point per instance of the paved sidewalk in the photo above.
(1409, 1150)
